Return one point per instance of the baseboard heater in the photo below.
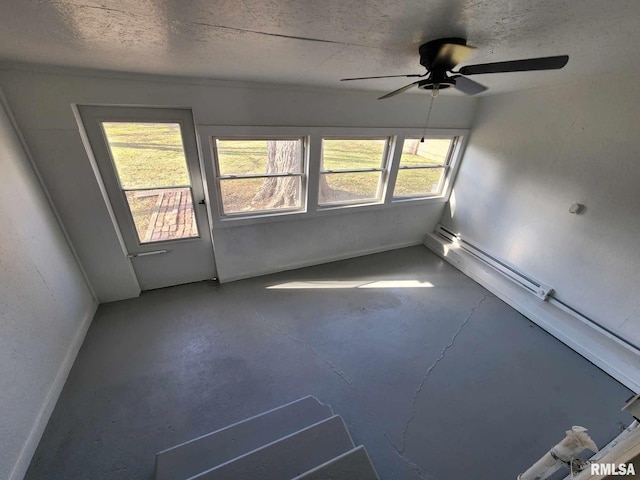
(537, 288)
(605, 348)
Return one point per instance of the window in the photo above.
(151, 167)
(351, 170)
(423, 167)
(260, 175)
(327, 170)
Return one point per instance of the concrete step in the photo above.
(288, 457)
(353, 465)
(202, 453)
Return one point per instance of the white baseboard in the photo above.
(317, 261)
(40, 422)
(617, 358)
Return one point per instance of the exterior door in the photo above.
(148, 162)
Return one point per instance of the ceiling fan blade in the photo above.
(384, 76)
(450, 55)
(544, 63)
(468, 86)
(400, 90)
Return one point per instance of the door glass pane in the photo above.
(413, 182)
(348, 187)
(162, 214)
(257, 157)
(260, 194)
(147, 155)
(352, 154)
(149, 160)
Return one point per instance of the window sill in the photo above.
(243, 220)
(401, 199)
(226, 222)
(353, 204)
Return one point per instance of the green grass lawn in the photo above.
(147, 155)
(151, 156)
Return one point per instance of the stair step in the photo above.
(288, 457)
(202, 453)
(353, 465)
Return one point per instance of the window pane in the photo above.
(352, 154)
(147, 155)
(163, 214)
(433, 151)
(260, 194)
(419, 181)
(348, 187)
(237, 157)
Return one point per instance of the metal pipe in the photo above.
(621, 449)
(562, 454)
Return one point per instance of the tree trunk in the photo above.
(416, 146)
(324, 190)
(282, 157)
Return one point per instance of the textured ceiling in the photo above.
(317, 42)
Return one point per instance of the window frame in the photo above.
(312, 168)
(383, 169)
(445, 167)
(276, 211)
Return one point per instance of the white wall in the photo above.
(268, 247)
(45, 306)
(530, 156)
(41, 102)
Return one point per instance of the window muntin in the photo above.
(423, 168)
(259, 175)
(151, 168)
(352, 170)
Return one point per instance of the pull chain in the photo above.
(428, 116)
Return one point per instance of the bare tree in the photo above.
(283, 156)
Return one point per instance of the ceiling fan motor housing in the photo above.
(429, 51)
(439, 78)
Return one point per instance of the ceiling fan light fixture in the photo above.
(436, 86)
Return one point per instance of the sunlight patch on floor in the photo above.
(337, 284)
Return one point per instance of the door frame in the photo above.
(108, 180)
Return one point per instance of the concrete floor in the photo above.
(438, 383)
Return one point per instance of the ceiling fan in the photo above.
(441, 56)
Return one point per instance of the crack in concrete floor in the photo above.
(306, 345)
(443, 353)
(416, 468)
(399, 451)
